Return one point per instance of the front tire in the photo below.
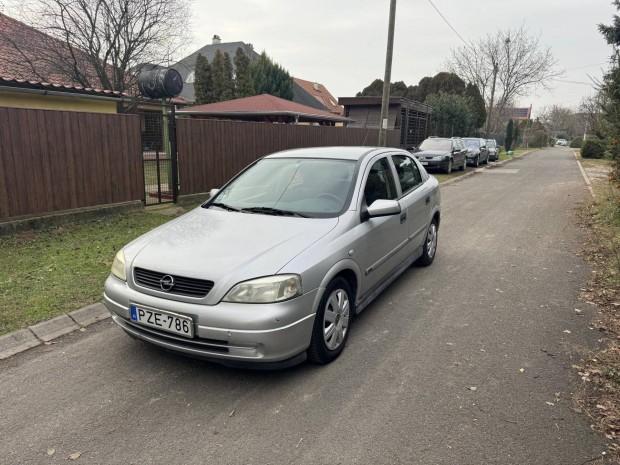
(430, 245)
(476, 162)
(332, 322)
(448, 169)
(462, 167)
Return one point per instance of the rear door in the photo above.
(415, 197)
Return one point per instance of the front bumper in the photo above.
(443, 164)
(229, 333)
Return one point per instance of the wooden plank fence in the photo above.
(59, 160)
(212, 151)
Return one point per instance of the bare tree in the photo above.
(102, 43)
(505, 65)
(592, 110)
(562, 120)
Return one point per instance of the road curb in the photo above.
(46, 331)
(585, 176)
(481, 169)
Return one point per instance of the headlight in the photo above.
(265, 290)
(118, 266)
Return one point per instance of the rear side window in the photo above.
(409, 175)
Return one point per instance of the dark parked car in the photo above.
(494, 149)
(477, 151)
(442, 153)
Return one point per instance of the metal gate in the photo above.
(159, 155)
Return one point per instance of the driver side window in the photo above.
(380, 182)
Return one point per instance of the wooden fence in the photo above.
(211, 152)
(54, 161)
(60, 160)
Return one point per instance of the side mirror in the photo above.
(213, 193)
(382, 207)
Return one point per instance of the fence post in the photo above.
(174, 162)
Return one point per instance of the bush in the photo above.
(576, 142)
(592, 148)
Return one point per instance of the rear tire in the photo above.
(430, 245)
(332, 322)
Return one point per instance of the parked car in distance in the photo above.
(494, 149)
(477, 151)
(273, 267)
(561, 142)
(443, 153)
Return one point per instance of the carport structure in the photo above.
(265, 108)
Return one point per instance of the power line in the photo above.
(448, 23)
(587, 66)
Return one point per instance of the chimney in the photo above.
(216, 39)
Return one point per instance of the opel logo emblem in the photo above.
(166, 283)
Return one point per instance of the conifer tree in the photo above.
(271, 78)
(223, 85)
(203, 81)
(244, 86)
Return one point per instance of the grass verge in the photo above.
(57, 270)
(599, 397)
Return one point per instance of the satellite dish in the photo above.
(160, 83)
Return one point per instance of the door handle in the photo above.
(403, 217)
(427, 200)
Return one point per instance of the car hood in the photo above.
(226, 247)
(432, 153)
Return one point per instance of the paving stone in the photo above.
(88, 315)
(51, 329)
(16, 342)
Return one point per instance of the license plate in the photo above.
(423, 163)
(166, 321)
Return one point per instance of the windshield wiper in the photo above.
(224, 206)
(273, 211)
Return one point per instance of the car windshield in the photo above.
(289, 186)
(491, 143)
(472, 143)
(436, 144)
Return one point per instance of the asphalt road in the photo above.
(465, 362)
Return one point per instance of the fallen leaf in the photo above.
(472, 388)
(521, 370)
(51, 452)
(550, 403)
(232, 413)
(75, 456)
(567, 331)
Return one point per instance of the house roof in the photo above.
(263, 105)
(25, 49)
(7, 81)
(187, 65)
(309, 93)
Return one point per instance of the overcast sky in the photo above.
(342, 43)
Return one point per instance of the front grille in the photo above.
(189, 287)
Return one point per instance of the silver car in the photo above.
(273, 267)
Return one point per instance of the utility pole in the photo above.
(387, 77)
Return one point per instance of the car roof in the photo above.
(335, 153)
